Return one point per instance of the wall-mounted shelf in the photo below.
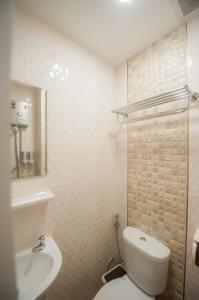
(184, 93)
(33, 199)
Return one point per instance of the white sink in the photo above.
(36, 271)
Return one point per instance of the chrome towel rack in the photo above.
(125, 114)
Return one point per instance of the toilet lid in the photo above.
(121, 289)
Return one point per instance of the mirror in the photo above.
(28, 145)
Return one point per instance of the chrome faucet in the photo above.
(41, 245)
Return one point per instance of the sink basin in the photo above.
(36, 271)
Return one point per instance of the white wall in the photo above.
(121, 88)
(7, 276)
(85, 157)
(192, 271)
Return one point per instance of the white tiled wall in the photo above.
(192, 272)
(86, 156)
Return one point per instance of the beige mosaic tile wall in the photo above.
(157, 154)
(85, 156)
(192, 271)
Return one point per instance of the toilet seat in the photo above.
(121, 289)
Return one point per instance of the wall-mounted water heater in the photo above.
(19, 113)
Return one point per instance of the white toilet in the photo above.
(146, 264)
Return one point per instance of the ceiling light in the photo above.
(125, 1)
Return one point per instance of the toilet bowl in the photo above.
(121, 289)
(146, 263)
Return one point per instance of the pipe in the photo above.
(15, 130)
(117, 225)
(118, 259)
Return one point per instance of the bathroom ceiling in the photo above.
(113, 29)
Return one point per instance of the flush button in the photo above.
(142, 238)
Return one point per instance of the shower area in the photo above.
(157, 118)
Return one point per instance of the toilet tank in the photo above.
(146, 261)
